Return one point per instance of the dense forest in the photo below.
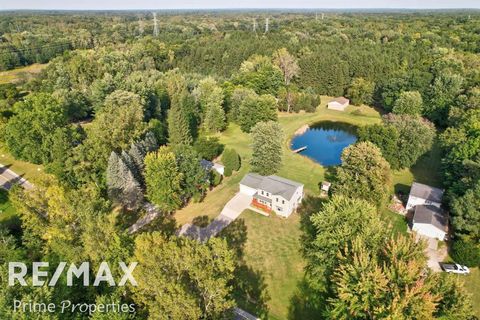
(122, 114)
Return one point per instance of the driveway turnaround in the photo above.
(8, 179)
(230, 212)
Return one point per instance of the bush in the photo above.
(216, 178)
(231, 161)
(466, 252)
(208, 148)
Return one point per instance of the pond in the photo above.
(325, 141)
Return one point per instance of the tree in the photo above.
(260, 74)
(360, 91)
(267, 147)
(369, 282)
(384, 137)
(163, 179)
(215, 120)
(466, 213)
(290, 69)
(231, 161)
(409, 102)
(364, 174)
(208, 147)
(210, 98)
(191, 278)
(194, 178)
(123, 188)
(27, 133)
(179, 131)
(444, 90)
(415, 137)
(255, 109)
(467, 252)
(335, 227)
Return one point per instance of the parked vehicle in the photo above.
(455, 268)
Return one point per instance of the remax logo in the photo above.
(18, 270)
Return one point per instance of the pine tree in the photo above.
(179, 126)
(267, 147)
(123, 188)
(214, 118)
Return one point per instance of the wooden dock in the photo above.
(299, 149)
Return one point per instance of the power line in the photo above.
(20, 50)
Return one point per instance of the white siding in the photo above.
(414, 201)
(337, 106)
(429, 230)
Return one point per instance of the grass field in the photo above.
(273, 249)
(472, 284)
(20, 74)
(25, 169)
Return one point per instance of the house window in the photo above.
(268, 195)
(283, 201)
(279, 209)
(262, 192)
(276, 199)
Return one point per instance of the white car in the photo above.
(455, 268)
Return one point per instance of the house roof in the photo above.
(274, 184)
(423, 191)
(218, 166)
(428, 214)
(207, 165)
(341, 100)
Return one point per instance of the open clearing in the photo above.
(21, 74)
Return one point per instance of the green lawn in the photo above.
(25, 169)
(19, 74)
(273, 249)
(472, 284)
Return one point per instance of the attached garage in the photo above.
(247, 190)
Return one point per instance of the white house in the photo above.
(430, 221)
(423, 194)
(339, 104)
(272, 193)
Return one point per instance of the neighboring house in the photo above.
(273, 193)
(423, 194)
(430, 221)
(339, 104)
(209, 165)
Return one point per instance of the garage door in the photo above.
(247, 190)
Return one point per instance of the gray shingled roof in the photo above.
(431, 215)
(423, 191)
(273, 184)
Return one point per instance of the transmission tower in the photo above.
(254, 25)
(266, 24)
(155, 25)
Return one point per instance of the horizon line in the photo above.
(247, 8)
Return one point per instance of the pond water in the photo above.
(325, 141)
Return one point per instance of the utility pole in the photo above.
(266, 25)
(155, 25)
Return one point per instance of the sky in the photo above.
(223, 4)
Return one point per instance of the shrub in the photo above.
(208, 148)
(466, 252)
(231, 161)
(216, 178)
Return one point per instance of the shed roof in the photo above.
(341, 100)
(426, 192)
(274, 184)
(433, 215)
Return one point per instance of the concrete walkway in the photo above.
(8, 179)
(229, 213)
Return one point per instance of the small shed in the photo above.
(339, 104)
(209, 165)
(325, 186)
